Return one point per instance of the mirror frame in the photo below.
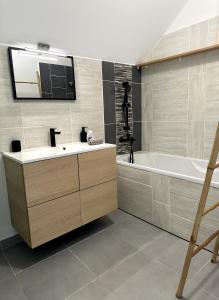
(13, 84)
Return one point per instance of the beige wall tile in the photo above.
(195, 139)
(180, 226)
(213, 31)
(209, 135)
(198, 63)
(161, 215)
(39, 136)
(160, 187)
(46, 113)
(170, 137)
(171, 104)
(147, 102)
(134, 174)
(172, 43)
(135, 198)
(199, 35)
(10, 116)
(147, 136)
(197, 96)
(88, 109)
(186, 188)
(170, 74)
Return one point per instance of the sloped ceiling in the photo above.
(115, 30)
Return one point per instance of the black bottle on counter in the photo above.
(16, 146)
(83, 135)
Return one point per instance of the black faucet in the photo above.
(53, 133)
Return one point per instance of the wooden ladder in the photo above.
(201, 212)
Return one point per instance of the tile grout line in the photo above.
(81, 261)
(14, 274)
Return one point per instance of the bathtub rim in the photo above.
(214, 184)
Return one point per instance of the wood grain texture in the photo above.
(182, 54)
(49, 179)
(17, 198)
(97, 167)
(98, 201)
(54, 218)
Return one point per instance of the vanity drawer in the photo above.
(98, 201)
(49, 179)
(54, 218)
(97, 167)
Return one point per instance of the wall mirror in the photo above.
(40, 75)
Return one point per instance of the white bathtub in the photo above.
(165, 190)
(171, 165)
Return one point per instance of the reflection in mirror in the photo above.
(37, 75)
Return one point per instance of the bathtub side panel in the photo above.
(135, 198)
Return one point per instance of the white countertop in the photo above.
(42, 153)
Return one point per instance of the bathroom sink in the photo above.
(36, 154)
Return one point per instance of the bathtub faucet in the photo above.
(131, 155)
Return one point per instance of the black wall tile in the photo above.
(59, 93)
(47, 95)
(136, 74)
(58, 82)
(137, 130)
(57, 70)
(108, 70)
(45, 78)
(136, 101)
(69, 79)
(110, 134)
(109, 102)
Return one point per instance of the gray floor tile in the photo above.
(21, 256)
(136, 232)
(5, 270)
(122, 272)
(10, 289)
(208, 279)
(171, 251)
(92, 291)
(119, 216)
(54, 278)
(174, 258)
(162, 242)
(103, 250)
(195, 292)
(86, 231)
(155, 281)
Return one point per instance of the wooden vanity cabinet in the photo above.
(98, 201)
(97, 167)
(44, 198)
(98, 186)
(49, 179)
(51, 197)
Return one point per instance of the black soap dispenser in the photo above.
(83, 135)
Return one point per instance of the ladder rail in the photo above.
(210, 208)
(206, 242)
(191, 252)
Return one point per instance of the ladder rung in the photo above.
(206, 242)
(216, 166)
(210, 208)
(213, 167)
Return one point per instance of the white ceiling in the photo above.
(114, 30)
